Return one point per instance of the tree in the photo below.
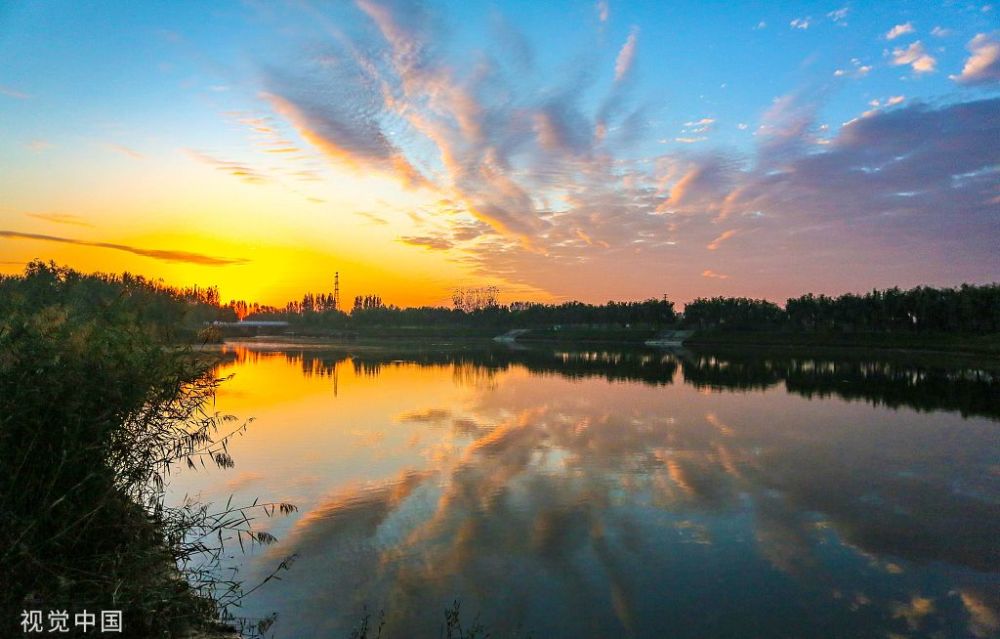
(471, 299)
(367, 302)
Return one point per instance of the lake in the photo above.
(561, 492)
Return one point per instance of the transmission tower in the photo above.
(336, 290)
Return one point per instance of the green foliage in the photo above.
(732, 312)
(479, 310)
(168, 313)
(967, 309)
(97, 403)
(476, 299)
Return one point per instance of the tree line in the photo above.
(371, 310)
(966, 309)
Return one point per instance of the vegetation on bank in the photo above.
(923, 312)
(966, 309)
(964, 318)
(97, 405)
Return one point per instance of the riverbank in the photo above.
(983, 344)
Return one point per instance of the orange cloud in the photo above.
(984, 64)
(898, 30)
(374, 153)
(714, 244)
(435, 243)
(916, 56)
(241, 171)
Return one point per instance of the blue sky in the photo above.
(561, 149)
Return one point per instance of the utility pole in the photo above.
(336, 291)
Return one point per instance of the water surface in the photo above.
(603, 493)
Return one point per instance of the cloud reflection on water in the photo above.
(586, 505)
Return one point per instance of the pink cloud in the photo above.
(983, 65)
(626, 56)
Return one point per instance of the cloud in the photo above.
(699, 126)
(60, 218)
(374, 219)
(436, 243)
(858, 71)
(984, 615)
(713, 275)
(515, 44)
(872, 166)
(760, 25)
(158, 254)
(13, 93)
(603, 10)
(983, 65)
(899, 30)
(941, 32)
(126, 151)
(914, 611)
(428, 416)
(699, 185)
(236, 169)
(345, 136)
(37, 146)
(714, 244)
(891, 184)
(839, 15)
(801, 23)
(243, 480)
(464, 230)
(626, 56)
(915, 56)
(532, 162)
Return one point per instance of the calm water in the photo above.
(618, 494)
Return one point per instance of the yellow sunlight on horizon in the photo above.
(288, 240)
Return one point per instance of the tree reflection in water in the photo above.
(640, 493)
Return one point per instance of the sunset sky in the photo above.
(559, 150)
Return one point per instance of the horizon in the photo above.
(586, 151)
(346, 304)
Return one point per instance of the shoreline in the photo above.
(931, 344)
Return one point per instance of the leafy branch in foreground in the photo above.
(97, 405)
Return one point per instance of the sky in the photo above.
(558, 150)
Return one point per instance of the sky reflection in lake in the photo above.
(600, 494)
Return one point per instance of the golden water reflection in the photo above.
(578, 494)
